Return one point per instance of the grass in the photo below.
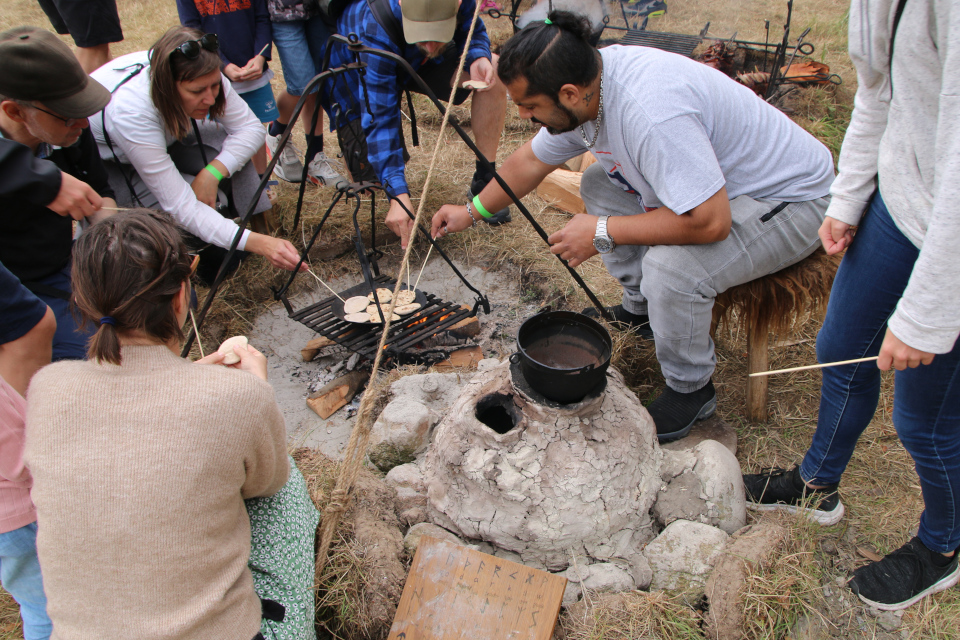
(880, 487)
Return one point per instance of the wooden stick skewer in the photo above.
(196, 332)
(310, 271)
(812, 366)
(422, 268)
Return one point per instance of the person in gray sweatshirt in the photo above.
(895, 209)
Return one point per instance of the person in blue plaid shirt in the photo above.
(435, 35)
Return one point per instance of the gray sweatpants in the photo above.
(677, 284)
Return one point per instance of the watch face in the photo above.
(603, 245)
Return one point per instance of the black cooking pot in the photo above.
(563, 355)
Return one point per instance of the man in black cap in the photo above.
(45, 99)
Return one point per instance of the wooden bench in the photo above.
(775, 304)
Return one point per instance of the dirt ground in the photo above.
(801, 593)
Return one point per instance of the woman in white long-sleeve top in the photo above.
(147, 139)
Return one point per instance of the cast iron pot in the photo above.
(563, 355)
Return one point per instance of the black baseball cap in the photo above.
(37, 65)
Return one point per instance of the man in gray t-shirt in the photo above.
(699, 186)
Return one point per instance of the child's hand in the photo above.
(234, 73)
(254, 68)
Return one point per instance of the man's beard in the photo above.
(572, 121)
(436, 54)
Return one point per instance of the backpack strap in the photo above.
(383, 14)
(137, 68)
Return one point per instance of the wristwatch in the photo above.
(602, 241)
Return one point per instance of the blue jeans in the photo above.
(20, 574)
(70, 340)
(301, 45)
(926, 405)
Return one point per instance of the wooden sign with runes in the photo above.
(455, 592)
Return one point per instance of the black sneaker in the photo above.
(905, 576)
(638, 323)
(674, 413)
(500, 217)
(779, 489)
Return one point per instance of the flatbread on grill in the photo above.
(385, 295)
(356, 304)
(375, 317)
(406, 309)
(357, 317)
(405, 297)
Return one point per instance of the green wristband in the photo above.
(480, 209)
(214, 172)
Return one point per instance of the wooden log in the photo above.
(466, 328)
(758, 342)
(588, 159)
(468, 357)
(561, 189)
(313, 347)
(336, 394)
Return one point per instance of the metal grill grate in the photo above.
(435, 316)
(673, 42)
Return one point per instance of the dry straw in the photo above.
(360, 436)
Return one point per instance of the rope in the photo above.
(360, 436)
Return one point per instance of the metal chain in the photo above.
(596, 131)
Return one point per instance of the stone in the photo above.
(435, 390)
(683, 555)
(702, 484)
(748, 548)
(571, 593)
(607, 576)
(402, 430)
(486, 364)
(417, 531)
(407, 481)
(713, 428)
(544, 481)
(890, 620)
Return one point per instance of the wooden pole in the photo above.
(758, 342)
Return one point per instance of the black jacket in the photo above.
(35, 241)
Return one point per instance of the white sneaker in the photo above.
(322, 171)
(289, 167)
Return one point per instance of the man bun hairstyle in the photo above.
(127, 269)
(551, 54)
(167, 70)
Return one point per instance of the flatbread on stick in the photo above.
(226, 349)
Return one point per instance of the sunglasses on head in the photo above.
(191, 48)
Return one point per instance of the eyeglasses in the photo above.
(69, 122)
(191, 48)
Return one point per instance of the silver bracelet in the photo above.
(470, 213)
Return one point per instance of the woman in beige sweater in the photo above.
(142, 461)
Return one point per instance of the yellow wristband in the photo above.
(214, 172)
(480, 209)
